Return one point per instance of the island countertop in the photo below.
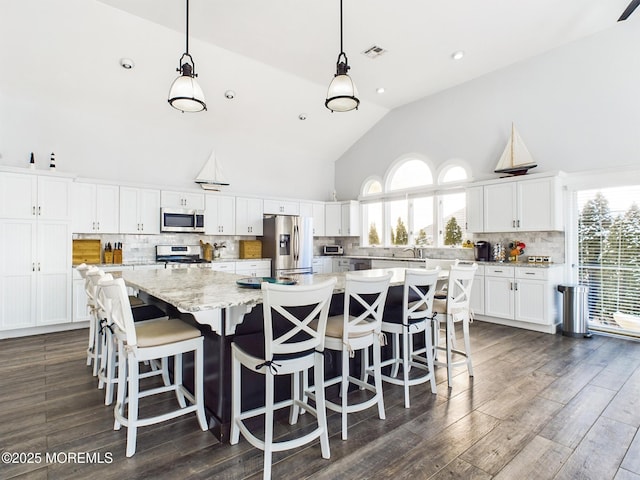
(193, 290)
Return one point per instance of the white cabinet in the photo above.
(281, 207)
(322, 265)
(342, 219)
(475, 209)
(527, 205)
(80, 313)
(95, 208)
(477, 292)
(221, 266)
(220, 215)
(35, 258)
(254, 268)
(35, 273)
(249, 215)
(34, 196)
(139, 210)
(189, 200)
(340, 264)
(523, 294)
(316, 211)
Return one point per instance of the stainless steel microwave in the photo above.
(332, 250)
(181, 220)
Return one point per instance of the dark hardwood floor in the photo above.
(540, 406)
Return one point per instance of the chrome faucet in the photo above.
(417, 251)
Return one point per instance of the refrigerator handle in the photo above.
(296, 243)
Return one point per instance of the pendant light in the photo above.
(342, 94)
(185, 93)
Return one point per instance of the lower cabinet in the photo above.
(257, 268)
(35, 275)
(477, 292)
(523, 294)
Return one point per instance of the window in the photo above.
(609, 255)
(410, 210)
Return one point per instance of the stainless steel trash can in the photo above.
(575, 310)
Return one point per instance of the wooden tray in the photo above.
(250, 249)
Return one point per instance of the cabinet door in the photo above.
(475, 209)
(531, 301)
(477, 295)
(350, 220)
(107, 200)
(333, 219)
(54, 274)
(229, 267)
(18, 196)
(500, 207)
(54, 198)
(149, 211)
(17, 274)
(281, 207)
(80, 312)
(129, 220)
(498, 296)
(540, 205)
(83, 206)
(318, 220)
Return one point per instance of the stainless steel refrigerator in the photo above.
(288, 241)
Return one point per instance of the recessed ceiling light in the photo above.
(230, 94)
(457, 55)
(127, 63)
(380, 90)
(302, 116)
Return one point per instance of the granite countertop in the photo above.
(196, 289)
(153, 262)
(419, 260)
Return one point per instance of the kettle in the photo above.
(207, 251)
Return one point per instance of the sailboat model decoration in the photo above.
(516, 159)
(209, 177)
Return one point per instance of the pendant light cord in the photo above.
(341, 47)
(188, 27)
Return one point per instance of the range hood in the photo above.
(210, 177)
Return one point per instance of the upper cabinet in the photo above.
(249, 214)
(342, 219)
(281, 207)
(96, 208)
(188, 200)
(523, 205)
(139, 210)
(475, 209)
(316, 211)
(34, 196)
(220, 215)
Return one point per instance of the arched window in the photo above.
(409, 173)
(372, 187)
(453, 172)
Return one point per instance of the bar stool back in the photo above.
(414, 317)
(147, 342)
(292, 343)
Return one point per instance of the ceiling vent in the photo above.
(374, 51)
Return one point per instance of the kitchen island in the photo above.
(213, 302)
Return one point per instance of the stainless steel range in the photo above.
(181, 256)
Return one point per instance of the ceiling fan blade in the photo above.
(629, 10)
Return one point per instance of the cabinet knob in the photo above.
(33, 210)
(33, 267)
(39, 210)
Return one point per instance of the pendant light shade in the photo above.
(185, 93)
(342, 95)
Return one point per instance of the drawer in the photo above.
(498, 271)
(480, 272)
(224, 267)
(536, 273)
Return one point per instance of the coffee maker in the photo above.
(483, 251)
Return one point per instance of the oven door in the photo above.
(177, 220)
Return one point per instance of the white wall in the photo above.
(63, 91)
(576, 108)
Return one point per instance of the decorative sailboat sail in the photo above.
(209, 177)
(516, 159)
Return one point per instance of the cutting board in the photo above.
(86, 251)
